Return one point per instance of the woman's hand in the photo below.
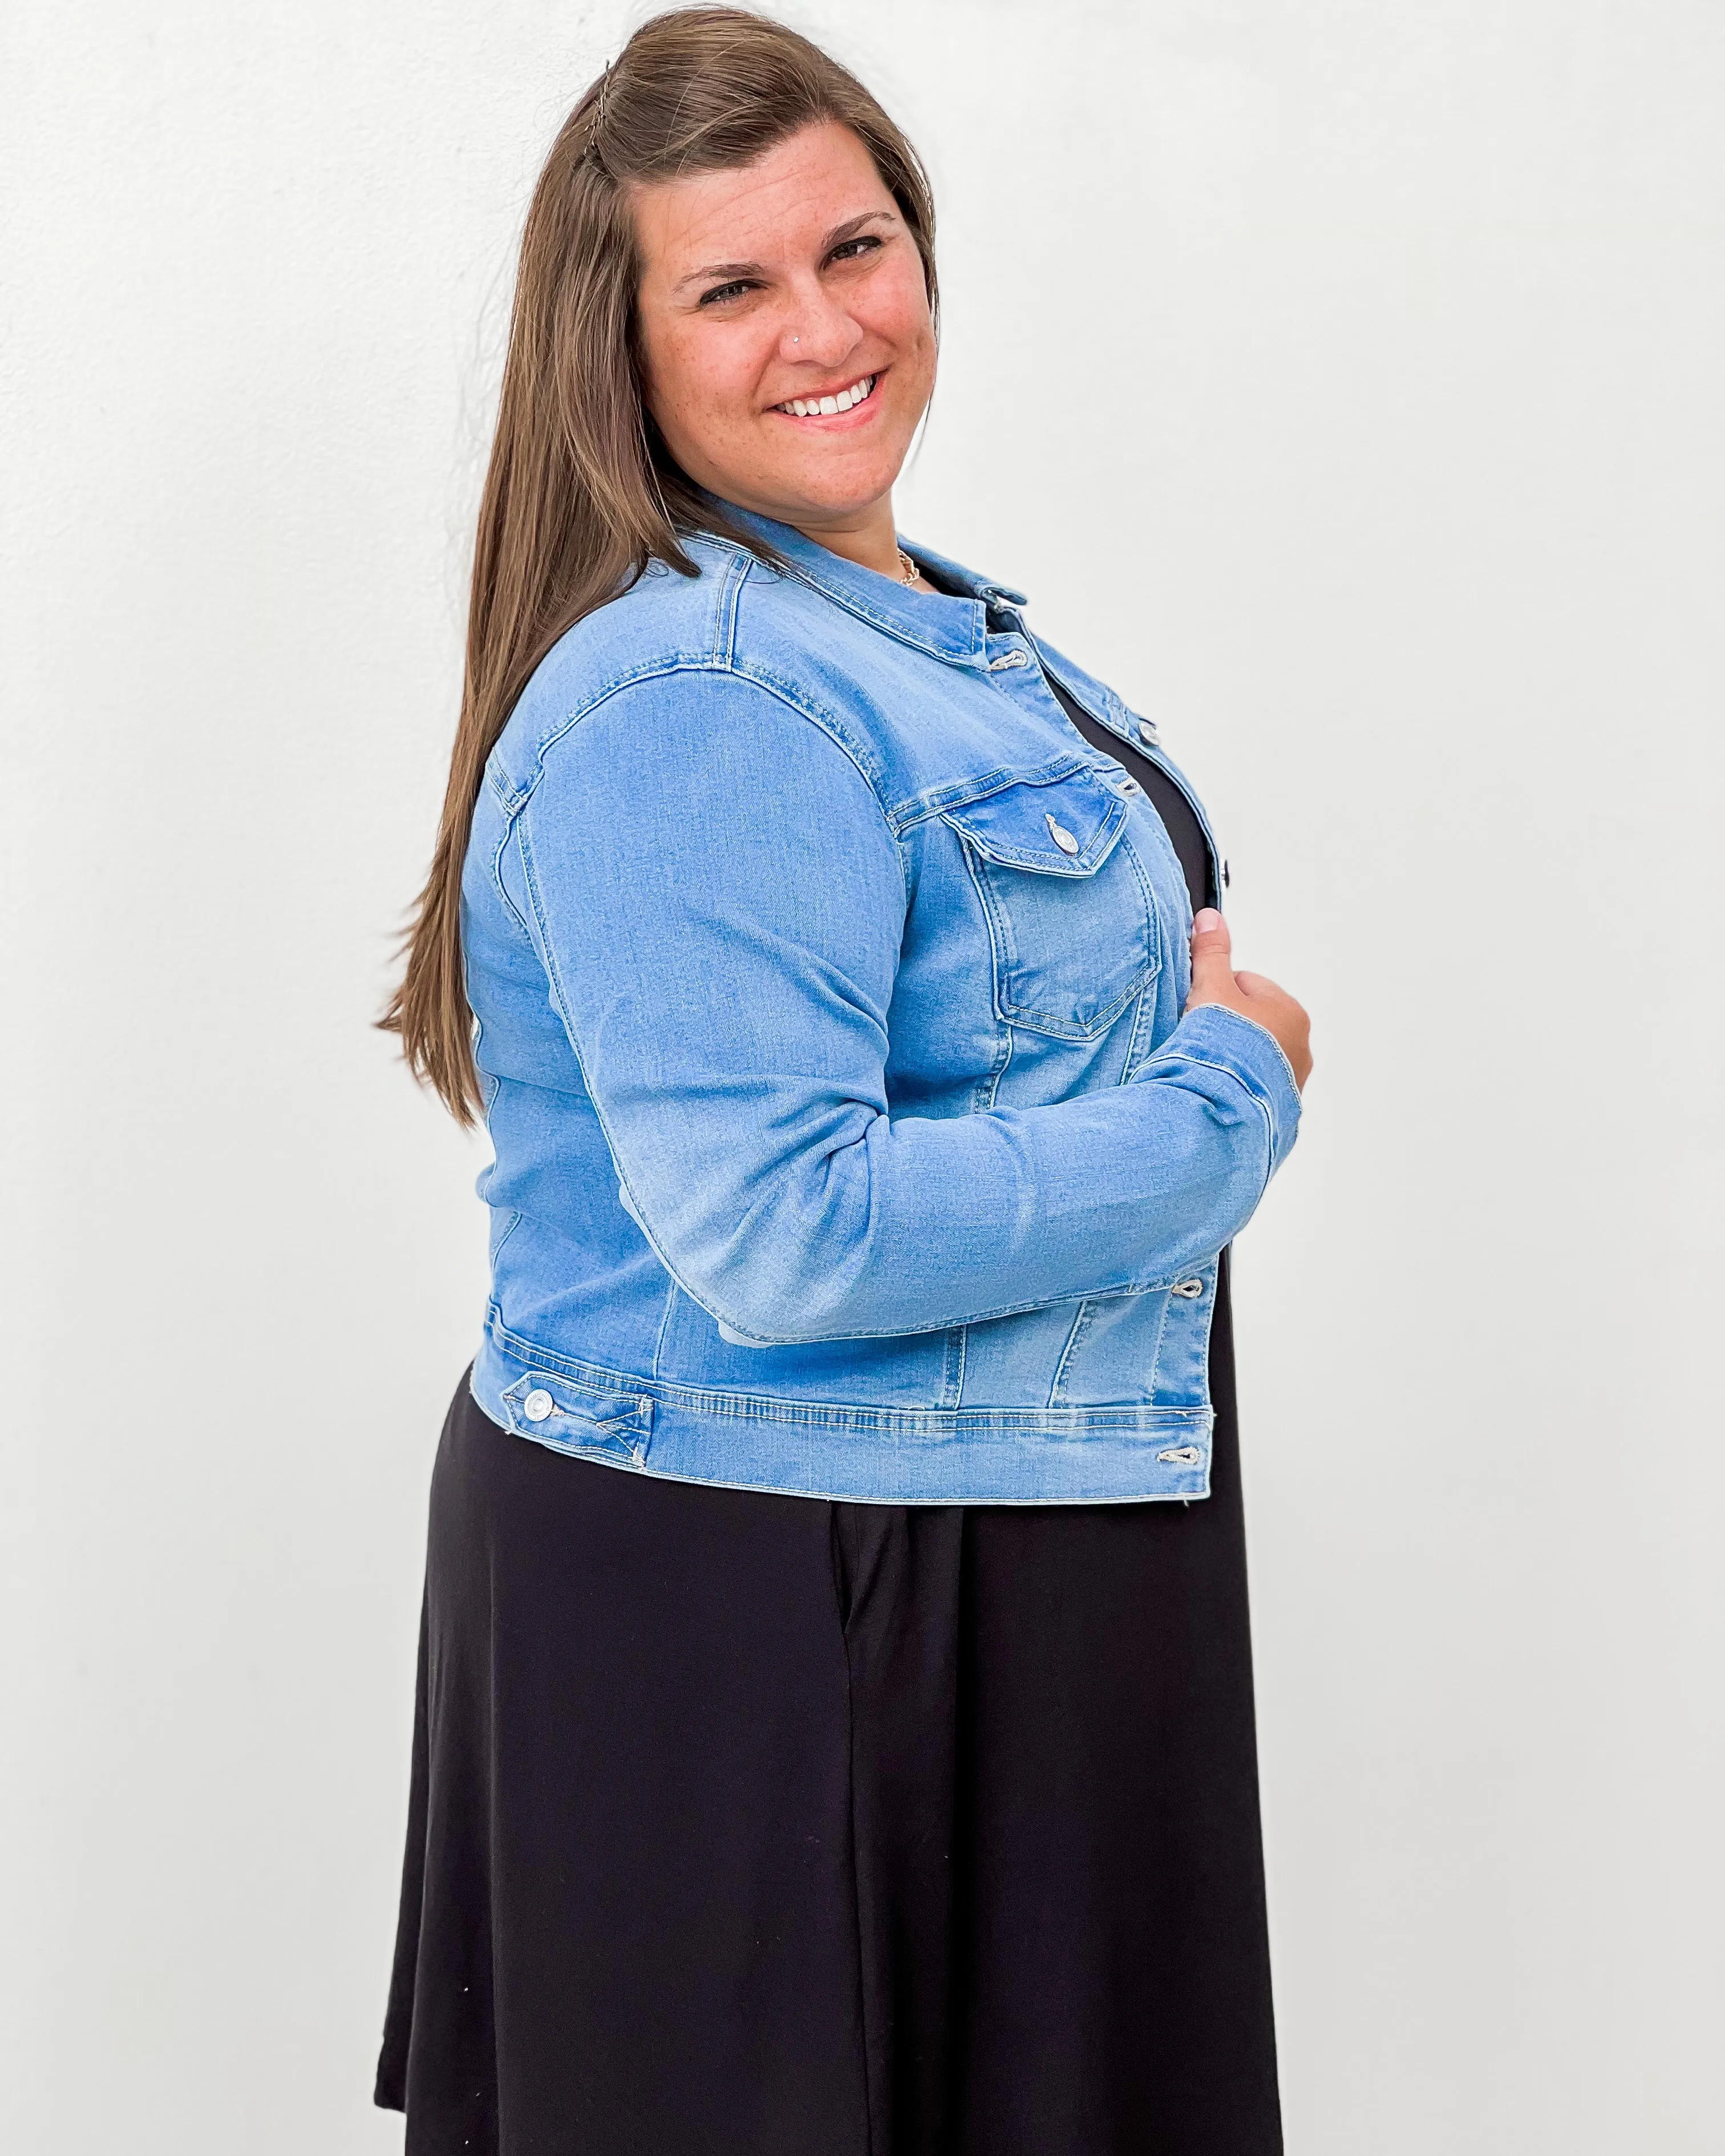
(1215, 981)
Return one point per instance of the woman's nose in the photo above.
(818, 333)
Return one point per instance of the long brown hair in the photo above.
(581, 492)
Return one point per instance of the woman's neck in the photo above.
(867, 536)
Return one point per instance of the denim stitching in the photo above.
(1181, 1493)
(1081, 1325)
(1293, 1082)
(1167, 1302)
(1145, 1009)
(725, 611)
(510, 816)
(997, 1076)
(962, 792)
(671, 1292)
(897, 630)
(1172, 1051)
(827, 722)
(1121, 721)
(1075, 1423)
(957, 1386)
(560, 999)
(1046, 1022)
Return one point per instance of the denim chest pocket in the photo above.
(1070, 913)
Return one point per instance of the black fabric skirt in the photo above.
(754, 1825)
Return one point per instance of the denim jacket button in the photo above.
(1061, 836)
(1146, 730)
(537, 1405)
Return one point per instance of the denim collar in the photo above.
(953, 628)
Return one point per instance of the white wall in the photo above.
(1343, 380)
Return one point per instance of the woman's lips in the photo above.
(831, 404)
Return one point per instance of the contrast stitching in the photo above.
(560, 997)
(997, 1075)
(1122, 722)
(883, 623)
(1166, 1302)
(828, 723)
(1184, 1492)
(1172, 1051)
(964, 1333)
(515, 1219)
(671, 1292)
(1007, 956)
(1080, 1326)
(1129, 1074)
(510, 817)
(857, 1418)
(725, 620)
(962, 792)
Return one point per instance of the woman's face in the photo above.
(791, 280)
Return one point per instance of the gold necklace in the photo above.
(907, 569)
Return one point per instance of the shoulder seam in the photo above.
(752, 675)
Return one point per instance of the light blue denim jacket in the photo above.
(848, 1138)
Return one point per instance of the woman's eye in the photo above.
(722, 292)
(853, 250)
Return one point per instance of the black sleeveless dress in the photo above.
(744, 1824)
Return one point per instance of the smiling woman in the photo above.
(863, 1763)
(790, 381)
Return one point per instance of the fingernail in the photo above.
(1205, 919)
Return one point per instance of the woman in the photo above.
(868, 1766)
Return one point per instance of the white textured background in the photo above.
(1343, 380)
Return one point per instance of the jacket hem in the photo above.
(827, 1449)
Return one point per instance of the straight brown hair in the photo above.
(581, 492)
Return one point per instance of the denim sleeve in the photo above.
(718, 901)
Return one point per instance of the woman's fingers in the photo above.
(1212, 959)
(1253, 995)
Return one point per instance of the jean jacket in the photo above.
(849, 1139)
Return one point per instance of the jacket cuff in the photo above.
(1252, 1053)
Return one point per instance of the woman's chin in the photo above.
(831, 484)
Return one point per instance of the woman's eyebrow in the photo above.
(853, 225)
(724, 270)
(836, 237)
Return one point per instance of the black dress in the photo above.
(745, 1824)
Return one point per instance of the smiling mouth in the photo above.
(826, 408)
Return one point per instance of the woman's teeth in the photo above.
(814, 407)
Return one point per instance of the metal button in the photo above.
(1181, 1456)
(1189, 1288)
(1061, 835)
(1146, 730)
(1129, 786)
(537, 1405)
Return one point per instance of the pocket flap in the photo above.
(1065, 827)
